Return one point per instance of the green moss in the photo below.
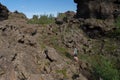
(63, 72)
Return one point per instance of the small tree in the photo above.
(61, 15)
(43, 19)
(35, 17)
(104, 68)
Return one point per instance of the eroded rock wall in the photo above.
(100, 9)
(98, 16)
(4, 12)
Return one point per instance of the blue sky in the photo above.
(31, 7)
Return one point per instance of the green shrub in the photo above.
(117, 23)
(61, 15)
(68, 55)
(116, 32)
(104, 68)
(43, 19)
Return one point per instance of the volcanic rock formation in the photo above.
(98, 16)
(4, 12)
(100, 9)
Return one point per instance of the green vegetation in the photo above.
(116, 33)
(118, 22)
(43, 19)
(60, 48)
(110, 47)
(104, 62)
(69, 56)
(61, 15)
(63, 72)
(102, 67)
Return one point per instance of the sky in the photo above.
(39, 7)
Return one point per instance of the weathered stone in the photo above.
(96, 28)
(59, 21)
(3, 12)
(100, 9)
(52, 55)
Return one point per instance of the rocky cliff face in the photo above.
(100, 9)
(98, 16)
(3, 12)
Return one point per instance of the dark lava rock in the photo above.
(3, 12)
(96, 28)
(59, 21)
(100, 9)
(98, 16)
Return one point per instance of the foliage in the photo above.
(116, 32)
(68, 55)
(61, 15)
(104, 68)
(118, 22)
(43, 19)
(54, 41)
(63, 72)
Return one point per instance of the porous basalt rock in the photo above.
(100, 9)
(98, 16)
(4, 12)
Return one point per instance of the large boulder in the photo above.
(100, 9)
(4, 12)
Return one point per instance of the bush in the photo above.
(104, 68)
(116, 32)
(43, 19)
(118, 22)
(61, 15)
